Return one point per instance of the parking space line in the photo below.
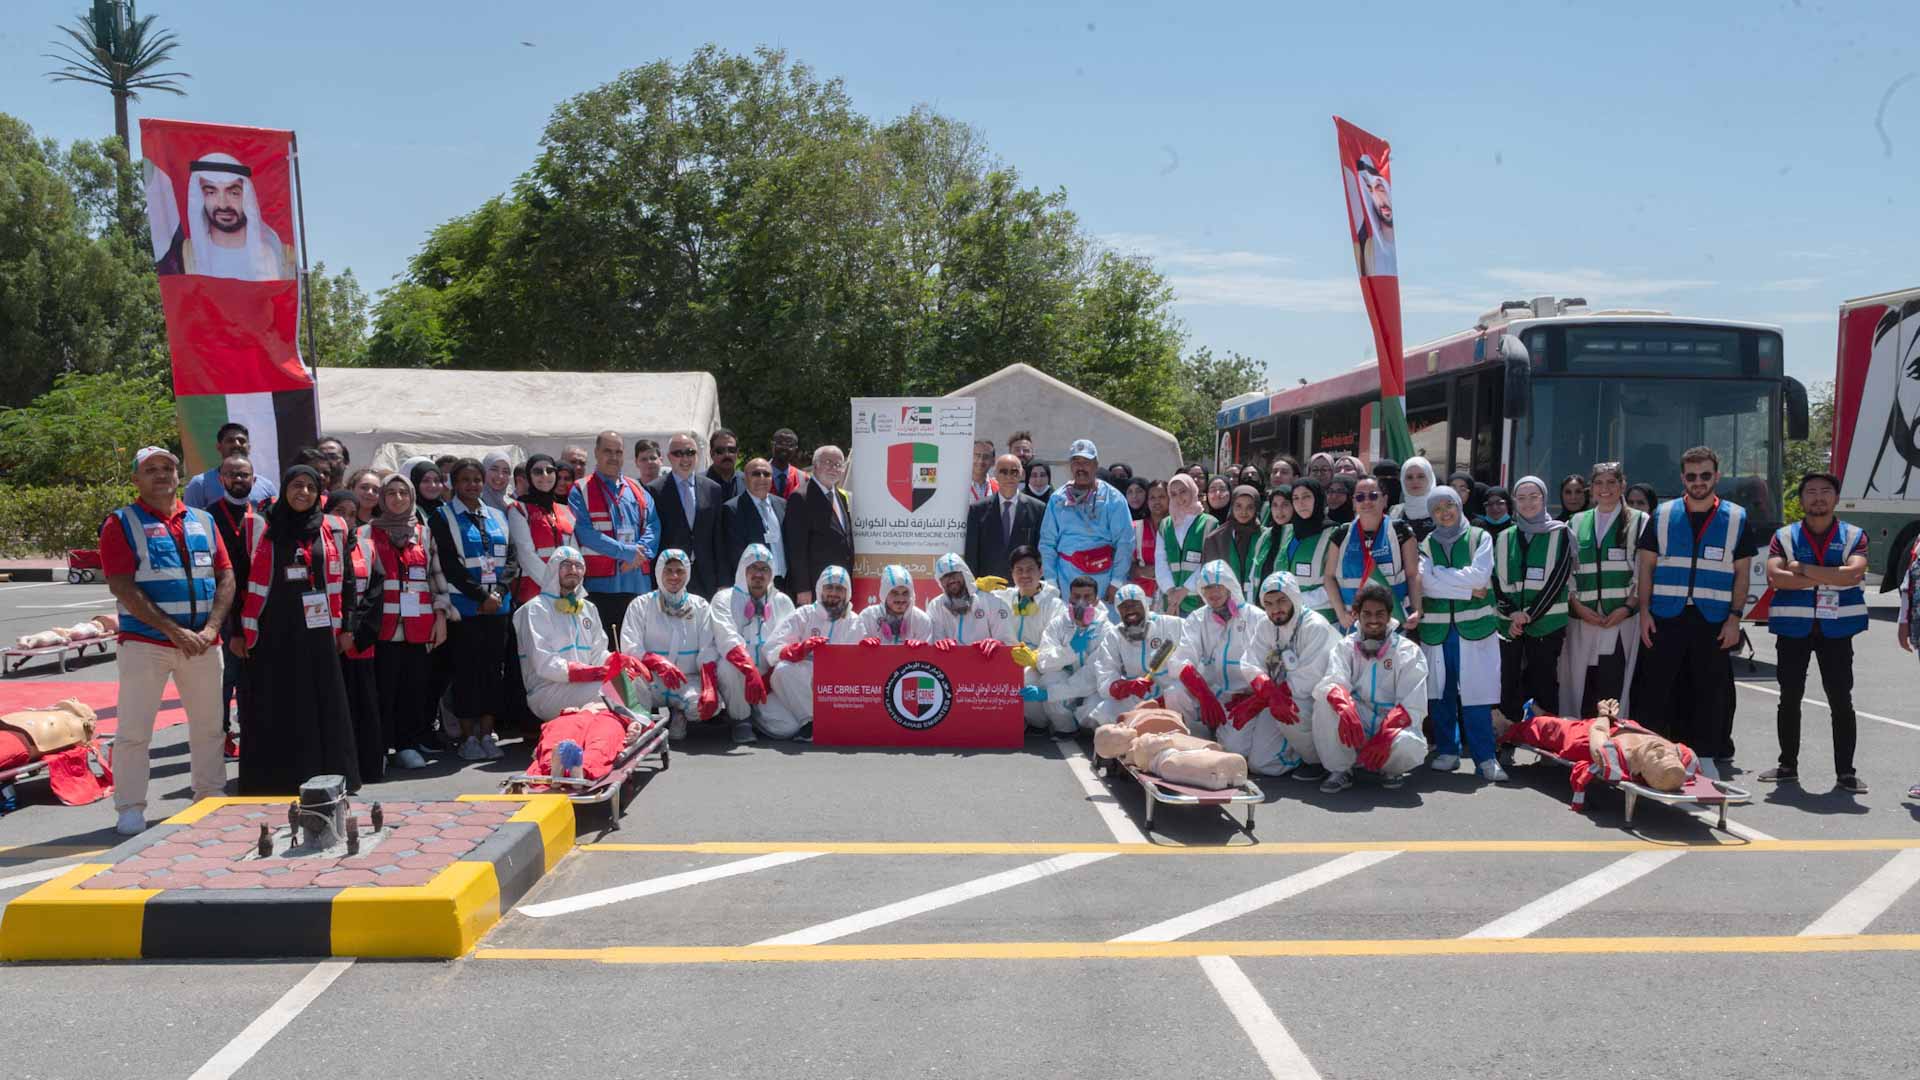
(1715, 844)
(655, 886)
(34, 585)
(1575, 895)
(1160, 950)
(1254, 899)
(939, 898)
(1857, 910)
(1283, 1057)
(1118, 823)
(1775, 691)
(38, 875)
(235, 1055)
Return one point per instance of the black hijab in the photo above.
(1340, 515)
(1476, 494)
(287, 525)
(1387, 471)
(1312, 524)
(421, 504)
(1492, 492)
(542, 499)
(1139, 513)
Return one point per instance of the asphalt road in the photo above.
(775, 912)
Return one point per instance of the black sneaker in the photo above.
(1780, 775)
(1851, 784)
(1309, 773)
(805, 734)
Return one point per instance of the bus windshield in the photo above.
(1645, 424)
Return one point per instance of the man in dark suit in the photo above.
(756, 516)
(819, 525)
(690, 506)
(997, 524)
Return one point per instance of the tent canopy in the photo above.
(432, 410)
(1023, 398)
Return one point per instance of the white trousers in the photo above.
(1409, 749)
(1057, 712)
(144, 670)
(1188, 706)
(550, 699)
(1270, 747)
(792, 686)
(776, 720)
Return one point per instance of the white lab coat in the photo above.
(1479, 674)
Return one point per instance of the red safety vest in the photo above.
(261, 577)
(600, 519)
(549, 531)
(360, 561)
(397, 568)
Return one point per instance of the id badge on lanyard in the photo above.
(412, 604)
(314, 606)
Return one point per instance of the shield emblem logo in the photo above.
(913, 471)
(918, 695)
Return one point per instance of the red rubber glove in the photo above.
(632, 665)
(1280, 700)
(672, 676)
(914, 643)
(1374, 755)
(709, 700)
(944, 645)
(870, 642)
(756, 686)
(1122, 689)
(794, 651)
(987, 648)
(1352, 734)
(1250, 704)
(1211, 714)
(813, 644)
(1398, 719)
(585, 672)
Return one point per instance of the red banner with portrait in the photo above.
(895, 695)
(1366, 173)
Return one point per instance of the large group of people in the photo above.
(1325, 622)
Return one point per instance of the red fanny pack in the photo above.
(1092, 561)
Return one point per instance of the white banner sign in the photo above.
(910, 480)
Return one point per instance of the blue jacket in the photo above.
(626, 515)
(1068, 529)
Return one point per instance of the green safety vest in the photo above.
(1307, 564)
(1184, 558)
(1476, 618)
(1526, 588)
(1603, 566)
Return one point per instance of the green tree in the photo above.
(339, 310)
(86, 429)
(1813, 453)
(1206, 381)
(113, 47)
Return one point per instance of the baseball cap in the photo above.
(1084, 448)
(141, 457)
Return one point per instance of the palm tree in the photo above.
(115, 48)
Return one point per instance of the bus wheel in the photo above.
(1897, 557)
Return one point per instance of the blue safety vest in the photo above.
(1386, 564)
(1699, 573)
(1794, 610)
(181, 587)
(479, 551)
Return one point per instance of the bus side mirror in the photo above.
(1797, 424)
(1519, 372)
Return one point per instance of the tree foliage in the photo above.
(113, 47)
(86, 429)
(338, 306)
(734, 214)
(1813, 453)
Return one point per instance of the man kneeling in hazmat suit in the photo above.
(1033, 602)
(1064, 674)
(829, 620)
(746, 615)
(892, 619)
(1289, 648)
(964, 613)
(1368, 707)
(1211, 645)
(671, 631)
(1125, 671)
(565, 662)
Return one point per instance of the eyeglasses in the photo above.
(541, 470)
(683, 453)
(1693, 476)
(768, 473)
(726, 451)
(1367, 496)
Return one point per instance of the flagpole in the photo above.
(306, 289)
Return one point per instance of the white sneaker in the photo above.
(411, 759)
(677, 726)
(492, 747)
(1492, 773)
(131, 823)
(1337, 782)
(471, 750)
(1445, 762)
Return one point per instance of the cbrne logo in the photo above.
(916, 418)
(913, 472)
(918, 695)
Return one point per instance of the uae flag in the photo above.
(913, 471)
(220, 201)
(1366, 172)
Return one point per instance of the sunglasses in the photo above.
(541, 470)
(683, 453)
(768, 473)
(727, 451)
(1367, 496)
(1693, 476)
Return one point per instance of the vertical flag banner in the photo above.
(1367, 175)
(220, 202)
(911, 470)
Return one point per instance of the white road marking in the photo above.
(1575, 895)
(1254, 899)
(34, 585)
(48, 874)
(655, 886)
(1118, 823)
(1283, 1057)
(108, 602)
(1775, 691)
(939, 898)
(1857, 910)
(235, 1055)
(1712, 817)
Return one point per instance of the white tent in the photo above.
(385, 415)
(1023, 398)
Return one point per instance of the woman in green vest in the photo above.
(1603, 639)
(1177, 557)
(1236, 539)
(1532, 567)
(1277, 515)
(1459, 634)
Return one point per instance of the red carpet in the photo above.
(34, 694)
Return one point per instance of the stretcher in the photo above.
(1699, 790)
(651, 746)
(1159, 790)
(37, 770)
(13, 657)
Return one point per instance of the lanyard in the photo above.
(1820, 549)
(1366, 550)
(1700, 534)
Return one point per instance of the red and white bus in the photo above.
(1876, 418)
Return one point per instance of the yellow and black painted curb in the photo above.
(59, 920)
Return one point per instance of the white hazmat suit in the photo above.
(1126, 657)
(1395, 677)
(1292, 658)
(679, 632)
(793, 671)
(742, 622)
(563, 648)
(1206, 667)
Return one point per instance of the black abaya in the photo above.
(301, 725)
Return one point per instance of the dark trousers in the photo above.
(233, 687)
(1836, 677)
(1529, 668)
(1605, 679)
(1683, 685)
(404, 673)
(612, 607)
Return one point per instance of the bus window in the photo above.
(1427, 420)
(1336, 428)
(1489, 388)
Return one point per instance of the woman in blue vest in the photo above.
(479, 566)
(1815, 567)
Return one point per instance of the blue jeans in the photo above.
(1449, 716)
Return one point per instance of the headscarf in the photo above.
(1251, 530)
(286, 523)
(1387, 471)
(1342, 514)
(1447, 534)
(1317, 459)
(1027, 482)
(1495, 491)
(1224, 510)
(496, 499)
(673, 603)
(1138, 513)
(407, 466)
(1476, 492)
(1416, 505)
(567, 603)
(343, 504)
(1304, 527)
(1543, 522)
(421, 468)
(398, 527)
(1653, 497)
(542, 499)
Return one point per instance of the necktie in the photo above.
(1006, 522)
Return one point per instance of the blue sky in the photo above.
(1742, 160)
